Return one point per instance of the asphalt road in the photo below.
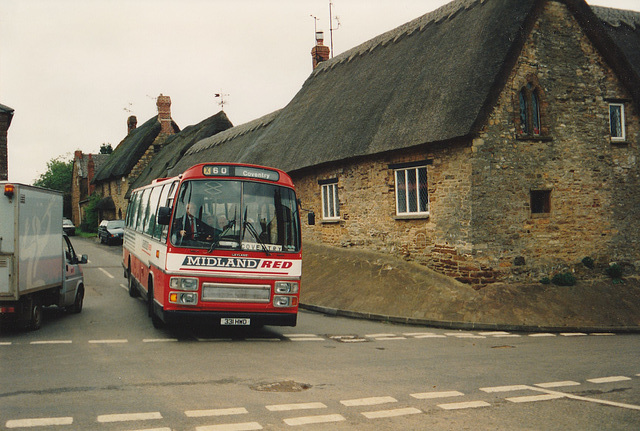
(109, 369)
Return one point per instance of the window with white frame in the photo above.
(616, 121)
(330, 203)
(412, 197)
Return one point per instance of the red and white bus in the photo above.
(219, 243)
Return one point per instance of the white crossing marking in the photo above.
(159, 340)
(124, 417)
(494, 333)
(371, 401)
(573, 334)
(379, 335)
(591, 400)
(246, 426)
(108, 341)
(532, 398)
(5, 343)
(52, 342)
(557, 384)
(506, 336)
(543, 334)
(464, 405)
(154, 429)
(124, 287)
(430, 336)
(602, 333)
(391, 413)
(307, 420)
(505, 388)
(609, 379)
(215, 412)
(106, 273)
(38, 422)
(390, 338)
(304, 337)
(298, 406)
(439, 394)
(270, 340)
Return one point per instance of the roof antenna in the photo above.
(128, 107)
(221, 102)
(331, 28)
(315, 26)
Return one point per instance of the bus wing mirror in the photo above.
(311, 218)
(164, 215)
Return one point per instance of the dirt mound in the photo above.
(364, 282)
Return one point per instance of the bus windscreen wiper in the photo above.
(224, 231)
(253, 231)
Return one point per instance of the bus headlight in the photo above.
(183, 283)
(286, 287)
(183, 298)
(282, 301)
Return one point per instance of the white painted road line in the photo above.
(154, 429)
(557, 384)
(108, 341)
(371, 401)
(464, 405)
(106, 273)
(125, 417)
(5, 343)
(609, 379)
(533, 398)
(298, 406)
(379, 335)
(52, 342)
(591, 400)
(544, 334)
(307, 420)
(159, 340)
(216, 412)
(303, 337)
(573, 334)
(602, 333)
(246, 426)
(430, 336)
(38, 422)
(494, 333)
(505, 388)
(440, 394)
(391, 413)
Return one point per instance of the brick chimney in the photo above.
(91, 171)
(132, 123)
(320, 52)
(164, 114)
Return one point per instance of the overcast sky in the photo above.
(74, 70)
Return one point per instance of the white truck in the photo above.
(38, 265)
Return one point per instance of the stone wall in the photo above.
(593, 182)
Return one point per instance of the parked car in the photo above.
(110, 231)
(68, 227)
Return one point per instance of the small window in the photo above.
(540, 201)
(330, 203)
(616, 121)
(412, 197)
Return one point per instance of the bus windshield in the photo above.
(235, 215)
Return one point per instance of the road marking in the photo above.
(263, 339)
(307, 420)
(591, 400)
(391, 413)
(379, 335)
(557, 384)
(371, 401)
(124, 287)
(52, 342)
(464, 335)
(505, 388)
(216, 412)
(38, 422)
(298, 406)
(107, 341)
(609, 379)
(154, 429)
(440, 394)
(494, 333)
(106, 273)
(246, 426)
(430, 336)
(533, 398)
(303, 337)
(464, 405)
(5, 343)
(124, 417)
(602, 333)
(543, 334)
(573, 334)
(159, 340)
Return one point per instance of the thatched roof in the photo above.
(177, 145)
(433, 80)
(130, 150)
(4, 109)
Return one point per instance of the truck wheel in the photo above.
(36, 317)
(77, 304)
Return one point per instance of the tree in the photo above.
(58, 177)
(106, 148)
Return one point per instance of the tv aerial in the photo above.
(221, 96)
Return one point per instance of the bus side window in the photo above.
(157, 233)
(142, 210)
(152, 209)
